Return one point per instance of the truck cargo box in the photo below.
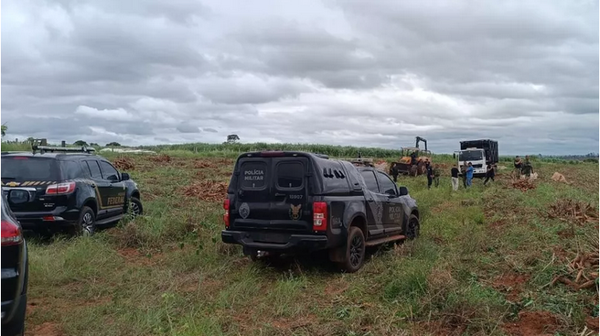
(489, 146)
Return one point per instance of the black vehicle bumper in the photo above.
(276, 242)
(60, 217)
(14, 285)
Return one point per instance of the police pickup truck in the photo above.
(297, 202)
(57, 188)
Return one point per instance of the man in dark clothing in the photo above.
(436, 175)
(527, 167)
(518, 166)
(463, 171)
(394, 172)
(491, 172)
(454, 174)
(429, 170)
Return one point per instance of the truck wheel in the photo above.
(355, 250)
(412, 229)
(86, 225)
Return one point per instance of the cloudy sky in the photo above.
(372, 73)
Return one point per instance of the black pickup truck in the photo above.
(298, 202)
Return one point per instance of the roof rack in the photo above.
(52, 149)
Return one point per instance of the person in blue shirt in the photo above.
(469, 174)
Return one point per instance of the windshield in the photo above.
(470, 156)
(24, 168)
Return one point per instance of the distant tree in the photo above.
(113, 144)
(30, 139)
(4, 128)
(232, 138)
(80, 143)
(93, 144)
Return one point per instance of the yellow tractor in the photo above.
(413, 159)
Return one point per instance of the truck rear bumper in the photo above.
(276, 242)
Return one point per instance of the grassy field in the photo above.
(484, 265)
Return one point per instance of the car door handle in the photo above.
(279, 195)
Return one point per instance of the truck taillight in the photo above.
(319, 216)
(11, 233)
(60, 188)
(226, 214)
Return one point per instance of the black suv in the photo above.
(66, 188)
(297, 202)
(15, 271)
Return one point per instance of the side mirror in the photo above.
(403, 191)
(124, 176)
(17, 196)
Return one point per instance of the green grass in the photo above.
(168, 273)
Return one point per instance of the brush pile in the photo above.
(582, 272)
(124, 163)
(160, 158)
(209, 191)
(571, 211)
(523, 185)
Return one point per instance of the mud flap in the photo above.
(338, 254)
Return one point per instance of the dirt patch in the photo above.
(335, 288)
(592, 323)
(533, 323)
(523, 185)
(134, 256)
(437, 328)
(571, 211)
(209, 191)
(124, 163)
(511, 284)
(44, 329)
(160, 158)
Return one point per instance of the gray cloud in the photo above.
(328, 71)
(186, 128)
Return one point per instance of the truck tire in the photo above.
(355, 250)
(412, 228)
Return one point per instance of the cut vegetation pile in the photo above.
(573, 212)
(160, 158)
(209, 191)
(524, 185)
(124, 163)
(582, 272)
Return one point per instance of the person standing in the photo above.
(436, 175)
(491, 172)
(469, 174)
(394, 172)
(463, 171)
(454, 174)
(429, 172)
(518, 166)
(527, 167)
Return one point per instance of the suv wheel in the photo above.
(412, 229)
(355, 250)
(86, 226)
(135, 206)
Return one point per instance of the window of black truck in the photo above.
(290, 175)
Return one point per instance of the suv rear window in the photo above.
(25, 168)
(253, 174)
(290, 175)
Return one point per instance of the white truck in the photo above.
(480, 153)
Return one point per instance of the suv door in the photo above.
(392, 208)
(115, 202)
(374, 208)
